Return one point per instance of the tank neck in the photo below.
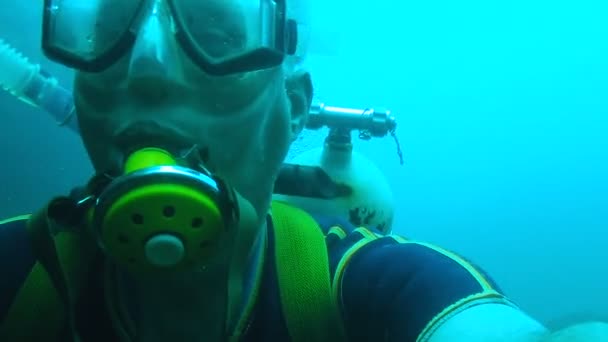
(338, 149)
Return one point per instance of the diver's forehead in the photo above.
(212, 8)
(230, 15)
(216, 8)
(220, 13)
(197, 17)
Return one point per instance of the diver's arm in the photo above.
(495, 322)
(399, 290)
(490, 322)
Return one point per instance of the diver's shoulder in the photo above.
(349, 244)
(335, 224)
(345, 239)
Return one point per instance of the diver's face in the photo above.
(155, 96)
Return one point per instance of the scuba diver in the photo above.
(333, 181)
(187, 110)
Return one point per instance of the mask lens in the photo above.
(215, 28)
(238, 34)
(220, 36)
(79, 32)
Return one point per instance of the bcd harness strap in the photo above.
(310, 308)
(43, 305)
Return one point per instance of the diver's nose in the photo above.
(154, 54)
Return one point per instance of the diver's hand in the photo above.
(582, 332)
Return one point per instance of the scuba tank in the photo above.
(336, 180)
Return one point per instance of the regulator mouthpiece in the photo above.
(161, 216)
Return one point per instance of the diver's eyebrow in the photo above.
(222, 10)
(226, 16)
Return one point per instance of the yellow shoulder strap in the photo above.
(302, 265)
(42, 307)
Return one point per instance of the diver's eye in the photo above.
(218, 44)
(214, 30)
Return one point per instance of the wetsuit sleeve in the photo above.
(16, 260)
(392, 289)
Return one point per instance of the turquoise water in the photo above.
(502, 113)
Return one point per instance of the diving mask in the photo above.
(220, 36)
(162, 216)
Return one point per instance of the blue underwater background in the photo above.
(502, 113)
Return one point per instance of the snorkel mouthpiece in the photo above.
(159, 215)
